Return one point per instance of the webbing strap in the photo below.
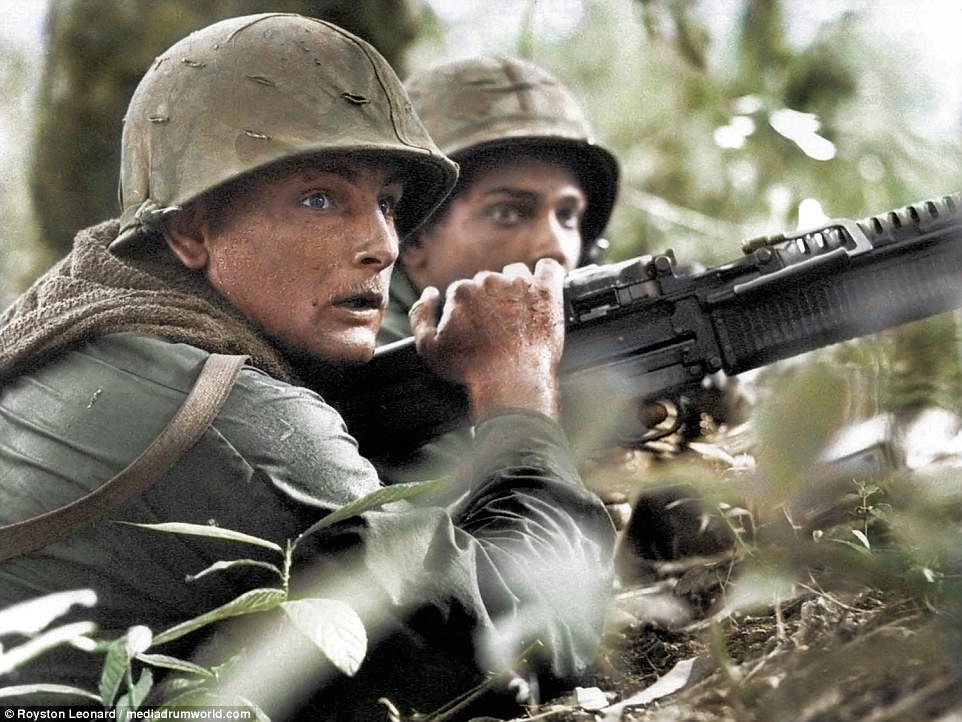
(185, 429)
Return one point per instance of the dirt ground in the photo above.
(862, 631)
(859, 656)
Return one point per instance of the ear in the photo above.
(186, 234)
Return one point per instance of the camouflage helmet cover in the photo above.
(488, 102)
(251, 91)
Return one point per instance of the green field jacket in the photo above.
(526, 547)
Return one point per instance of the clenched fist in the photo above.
(499, 334)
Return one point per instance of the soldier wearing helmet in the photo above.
(271, 163)
(534, 182)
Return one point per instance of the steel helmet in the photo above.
(250, 91)
(489, 102)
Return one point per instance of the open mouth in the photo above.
(364, 301)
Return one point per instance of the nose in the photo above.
(378, 244)
(550, 239)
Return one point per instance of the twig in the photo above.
(818, 591)
(678, 566)
(780, 632)
(762, 662)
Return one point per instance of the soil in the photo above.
(853, 656)
(855, 635)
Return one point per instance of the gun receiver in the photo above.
(643, 329)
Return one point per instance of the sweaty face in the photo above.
(519, 211)
(307, 256)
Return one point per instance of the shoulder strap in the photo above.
(185, 429)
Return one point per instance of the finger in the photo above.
(423, 316)
(517, 270)
(549, 271)
(457, 289)
(456, 294)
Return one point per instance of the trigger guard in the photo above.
(631, 439)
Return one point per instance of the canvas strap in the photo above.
(185, 429)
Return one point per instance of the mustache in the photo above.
(369, 293)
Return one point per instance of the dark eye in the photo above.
(569, 217)
(317, 200)
(388, 205)
(504, 214)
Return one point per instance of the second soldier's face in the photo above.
(520, 211)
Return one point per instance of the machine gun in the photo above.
(642, 329)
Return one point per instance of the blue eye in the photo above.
(317, 200)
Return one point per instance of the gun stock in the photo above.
(643, 329)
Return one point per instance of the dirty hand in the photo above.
(500, 335)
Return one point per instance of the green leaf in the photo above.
(256, 600)
(862, 538)
(136, 695)
(47, 689)
(226, 666)
(181, 685)
(179, 665)
(221, 566)
(114, 671)
(384, 495)
(211, 532)
(333, 627)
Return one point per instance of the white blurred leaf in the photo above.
(333, 627)
(802, 129)
(138, 639)
(590, 699)
(32, 616)
(667, 684)
(27, 689)
(711, 452)
(12, 658)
